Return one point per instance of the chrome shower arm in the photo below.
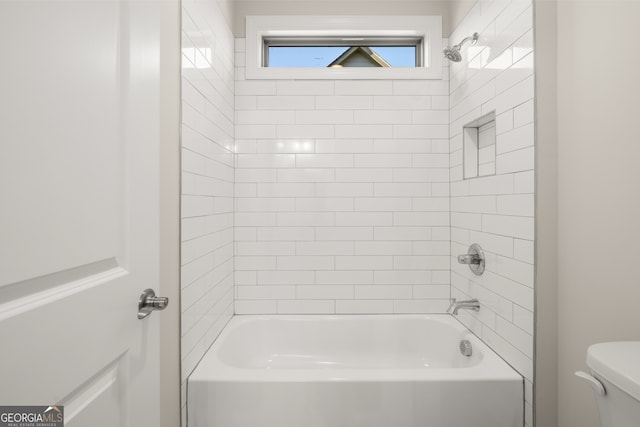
(473, 38)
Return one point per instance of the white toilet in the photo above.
(615, 377)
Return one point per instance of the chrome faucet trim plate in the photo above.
(474, 258)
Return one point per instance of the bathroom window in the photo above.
(336, 52)
(344, 47)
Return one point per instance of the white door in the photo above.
(79, 208)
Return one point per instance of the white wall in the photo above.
(598, 203)
(497, 211)
(242, 8)
(207, 179)
(342, 195)
(457, 11)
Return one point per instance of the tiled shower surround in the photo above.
(342, 195)
(349, 194)
(497, 211)
(207, 181)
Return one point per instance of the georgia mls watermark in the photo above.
(31, 416)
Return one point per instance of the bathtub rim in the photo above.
(492, 367)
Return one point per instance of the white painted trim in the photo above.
(427, 27)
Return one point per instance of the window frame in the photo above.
(415, 42)
(297, 29)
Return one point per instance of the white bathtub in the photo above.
(352, 371)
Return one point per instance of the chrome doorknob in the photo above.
(149, 302)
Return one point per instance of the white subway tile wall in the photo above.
(348, 196)
(497, 211)
(342, 195)
(207, 278)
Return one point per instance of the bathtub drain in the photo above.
(465, 348)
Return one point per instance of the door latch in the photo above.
(150, 302)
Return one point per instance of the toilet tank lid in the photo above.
(618, 363)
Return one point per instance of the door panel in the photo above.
(61, 136)
(98, 397)
(79, 186)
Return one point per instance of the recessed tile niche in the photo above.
(479, 138)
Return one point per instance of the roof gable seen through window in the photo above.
(342, 56)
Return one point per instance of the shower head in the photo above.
(452, 53)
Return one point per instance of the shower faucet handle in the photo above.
(474, 258)
(469, 259)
